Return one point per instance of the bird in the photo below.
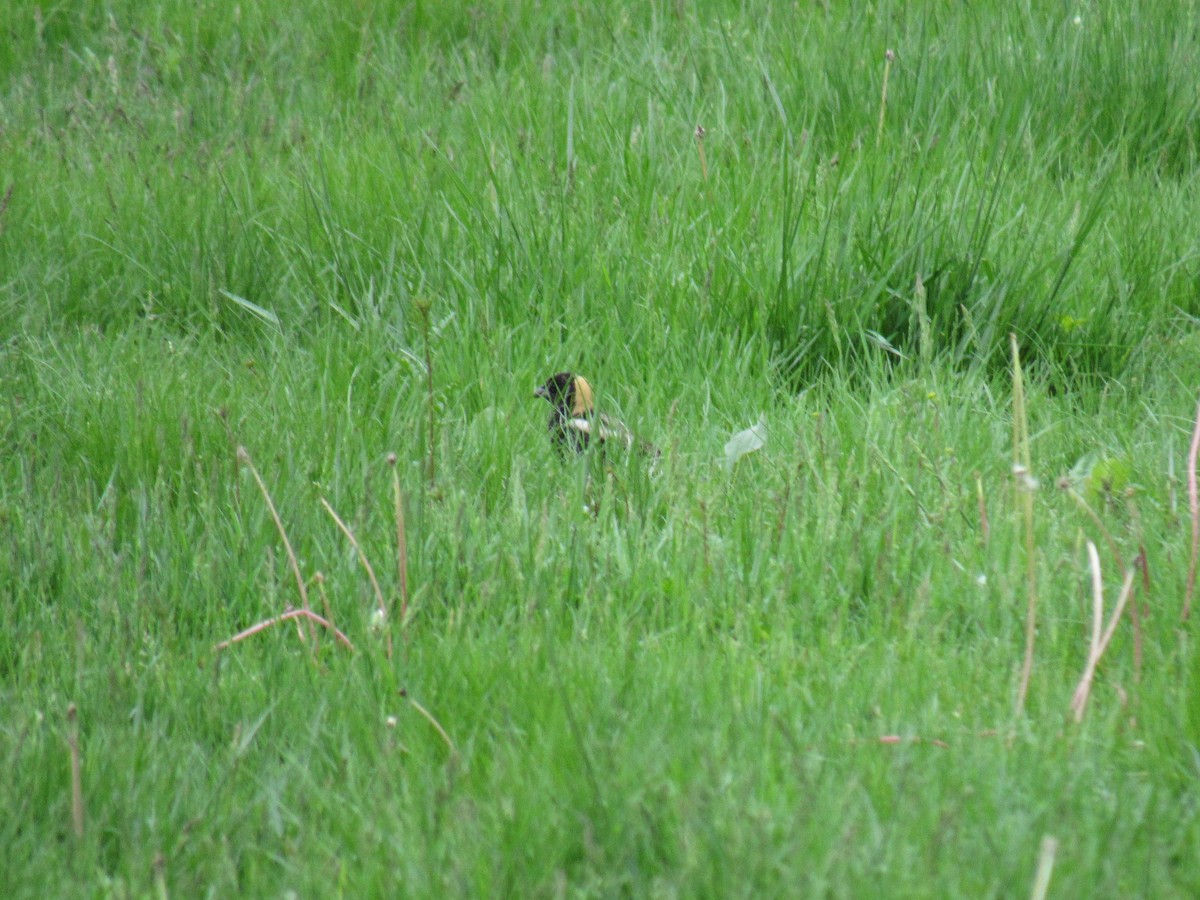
(575, 424)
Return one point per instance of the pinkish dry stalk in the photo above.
(437, 726)
(244, 457)
(1100, 641)
(897, 739)
(362, 557)
(401, 557)
(76, 770)
(887, 68)
(1025, 486)
(381, 610)
(306, 614)
(1194, 503)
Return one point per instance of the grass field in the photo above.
(335, 246)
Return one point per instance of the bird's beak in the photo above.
(541, 391)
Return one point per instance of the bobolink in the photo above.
(575, 424)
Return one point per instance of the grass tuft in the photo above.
(352, 238)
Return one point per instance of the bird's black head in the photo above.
(568, 393)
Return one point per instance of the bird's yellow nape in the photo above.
(583, 397)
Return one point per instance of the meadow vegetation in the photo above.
(335, 246)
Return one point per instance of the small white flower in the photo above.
(1077, 21)
(1024, 479)
(378, 619)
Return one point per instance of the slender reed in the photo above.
(1100, 638)
(423, 307)
(1025, 484)
(244, 457)
(306, 614)
(700, 148)
(401, 547)
(76, 771)
(362, 557)
(1194, 504)
(1045, 868)
(887, 69)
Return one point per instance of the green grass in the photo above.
(257, 226)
